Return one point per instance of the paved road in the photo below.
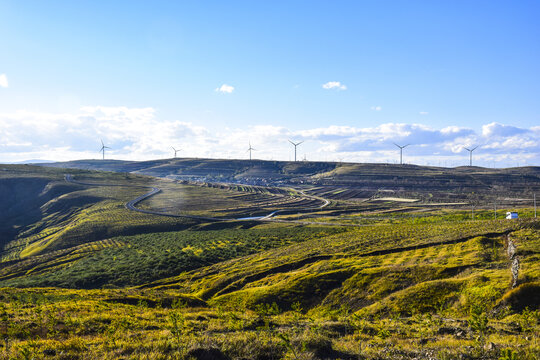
(131, 205)
(325, 204)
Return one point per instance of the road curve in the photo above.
(131, 205)
(326, 202)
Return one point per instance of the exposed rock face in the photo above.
(514, 269)
(511, 250)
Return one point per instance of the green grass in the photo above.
(137, 259)
(415, 281)
(76, 214)
(333, 297)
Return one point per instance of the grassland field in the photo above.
(366, 277)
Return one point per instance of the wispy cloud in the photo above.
(334, 85)
(3, 81)
(226, 89)
(423, 113)
(140, 134)
(376, 108)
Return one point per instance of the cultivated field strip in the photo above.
(392, 244)
(299, 203)
(40, 263)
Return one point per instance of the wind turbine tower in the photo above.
(401, 152)
(175, 151)
(295, 145)
(103, 147)
(470, 154)
(250, 149)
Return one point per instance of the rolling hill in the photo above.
(328, 261)
(353, 180)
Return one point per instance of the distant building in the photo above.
(511, 215)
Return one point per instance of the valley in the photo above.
(231, 259)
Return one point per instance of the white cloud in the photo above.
(384, 134)
(423, 113)
(496, 129)
(376, 108)
(132, 133)
(334, 85)
(3, 81)
(226, 89)
(140, 134)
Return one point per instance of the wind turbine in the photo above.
(250, 149)
(401, 152)
(295, 145)
(103, 147)
(175, 151)
(470, 154)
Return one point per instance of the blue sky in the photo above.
(147, 75)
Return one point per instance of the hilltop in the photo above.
(340, 180)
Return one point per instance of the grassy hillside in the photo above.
(209, 168)
(390, 277)
(45, 213)
(67, 233)
(23, 191)
(388, 292)
(345, 181)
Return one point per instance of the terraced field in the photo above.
(384, 292)
(228, 201)
(82, 276)
(94, 208)
(346, 181)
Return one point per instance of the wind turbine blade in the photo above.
(292, 142)
(468, 149)
(300, 142)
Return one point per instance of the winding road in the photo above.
(131, 205)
